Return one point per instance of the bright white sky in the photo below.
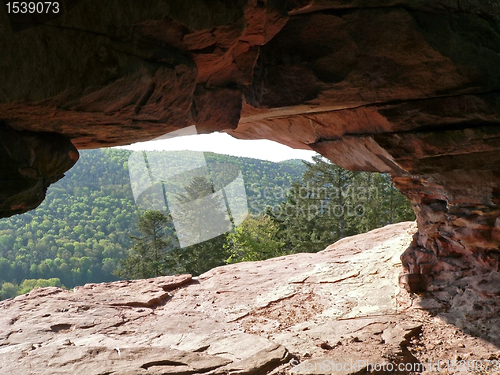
(223, 143)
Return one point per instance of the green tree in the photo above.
(200, 213)
(307, 223)
(331, 203)
(257, 238)
(9, 290)
(152, 252)
(327, 183)
(29, 284)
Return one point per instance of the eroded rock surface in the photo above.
(29, 163)
(277, 316)
(405, 87)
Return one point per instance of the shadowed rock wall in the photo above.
(29, 163)
(409, 88)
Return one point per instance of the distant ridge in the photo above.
(293, 162)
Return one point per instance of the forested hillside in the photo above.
(87, 228)
(82, 228)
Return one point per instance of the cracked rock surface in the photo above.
(277, 316)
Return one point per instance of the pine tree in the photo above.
(201, 213)
(331, 203)
(332, 188)
(153, 252)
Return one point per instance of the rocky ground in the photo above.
(304, 313)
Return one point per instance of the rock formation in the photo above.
(400, 86)
(280, 316)
(29, 163)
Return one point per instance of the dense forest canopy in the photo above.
(82, 228)
(85, 228)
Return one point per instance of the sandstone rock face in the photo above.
(29, 163)
(280, 316)
(405, 87)
(119, 72)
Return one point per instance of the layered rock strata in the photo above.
(404, 87)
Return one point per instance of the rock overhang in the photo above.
(409, 88)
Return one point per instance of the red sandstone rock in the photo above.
(399, 86)
(273, 316)
(29, 163)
